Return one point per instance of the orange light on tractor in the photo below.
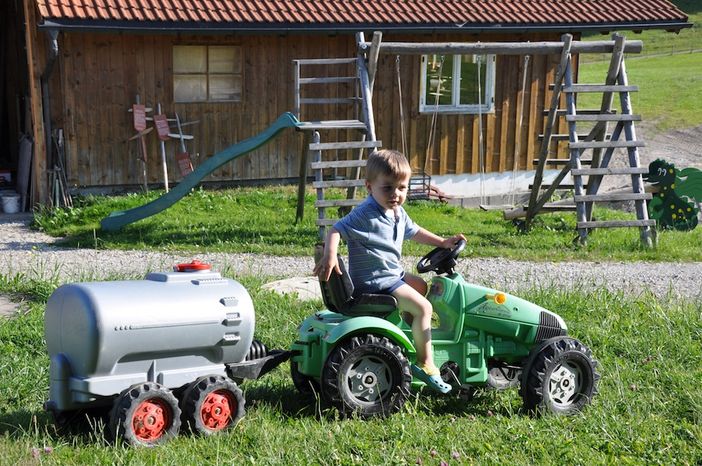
(499, 298)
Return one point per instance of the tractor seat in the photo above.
(338, 296)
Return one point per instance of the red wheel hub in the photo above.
(216, 409)
(151, 420)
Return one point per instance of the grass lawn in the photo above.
(649, 409)
(657, 42)
(261, 220)
(667, 73)
(669, 88)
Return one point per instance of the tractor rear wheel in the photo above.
(367, 375)
(212, 403)
(560, 377)
(145, 414)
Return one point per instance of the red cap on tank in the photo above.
(193, 266)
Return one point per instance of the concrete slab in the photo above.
(306, 288)
(7, 307)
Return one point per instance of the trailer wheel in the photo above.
(212, 403)
(145, 414)
(367, 375)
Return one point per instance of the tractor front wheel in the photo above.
(561, 377)
(367, 375)
(212, 403)
(145, 414)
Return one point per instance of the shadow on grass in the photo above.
(165, 236)
(18, 423)
(83, 425)
(293, 404)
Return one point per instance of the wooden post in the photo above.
(319, 176)
(39, 191)
(300, 212)
(633, 152)
(593, 183)
(162, 142)
(548, 130)
(142, 148)
(296, 93)
(575, 155)
(366, 94)
(501, 48)
(373, 58)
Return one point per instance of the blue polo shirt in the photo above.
(375, 241)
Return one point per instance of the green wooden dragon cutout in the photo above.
(675, 205)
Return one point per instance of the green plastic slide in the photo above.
(120, 218)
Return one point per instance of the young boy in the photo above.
(374, 232)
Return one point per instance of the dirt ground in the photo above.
(682, 147)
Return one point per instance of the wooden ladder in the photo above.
(600, 142)
(319, 166)
(363, 125)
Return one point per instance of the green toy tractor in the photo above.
(357, 354)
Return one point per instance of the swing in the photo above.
(420, 187)
(517, 144)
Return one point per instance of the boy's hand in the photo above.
(451, 242)
(326, 265)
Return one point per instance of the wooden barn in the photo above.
(229, 68)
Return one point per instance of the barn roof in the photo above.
(352, 15)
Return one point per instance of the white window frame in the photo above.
(487, 104)
(207, 74)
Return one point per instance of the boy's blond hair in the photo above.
(387, 162)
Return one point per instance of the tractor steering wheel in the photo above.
(441, 260)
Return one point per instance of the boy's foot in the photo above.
(434, 381)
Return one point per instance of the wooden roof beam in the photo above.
(500, 48)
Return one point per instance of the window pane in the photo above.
(224, 59)
(190, 59)
(469, 79)
(225, 87)
(190, 88)
(439, 79)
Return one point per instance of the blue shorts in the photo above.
(394, 286)
(400, 281)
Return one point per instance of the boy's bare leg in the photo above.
(412, 302)
(418, 284)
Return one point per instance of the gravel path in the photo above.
(34, 255)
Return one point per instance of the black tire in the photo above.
(306, 385)
(211, 404)
(145, 414)
(379, 368)
(560, 377)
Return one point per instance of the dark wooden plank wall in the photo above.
(100, 75)
(455, 147)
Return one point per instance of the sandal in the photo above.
(433, 381)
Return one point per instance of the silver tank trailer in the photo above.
(169, 328)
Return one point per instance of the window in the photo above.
(455, 77)
(207, 73)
